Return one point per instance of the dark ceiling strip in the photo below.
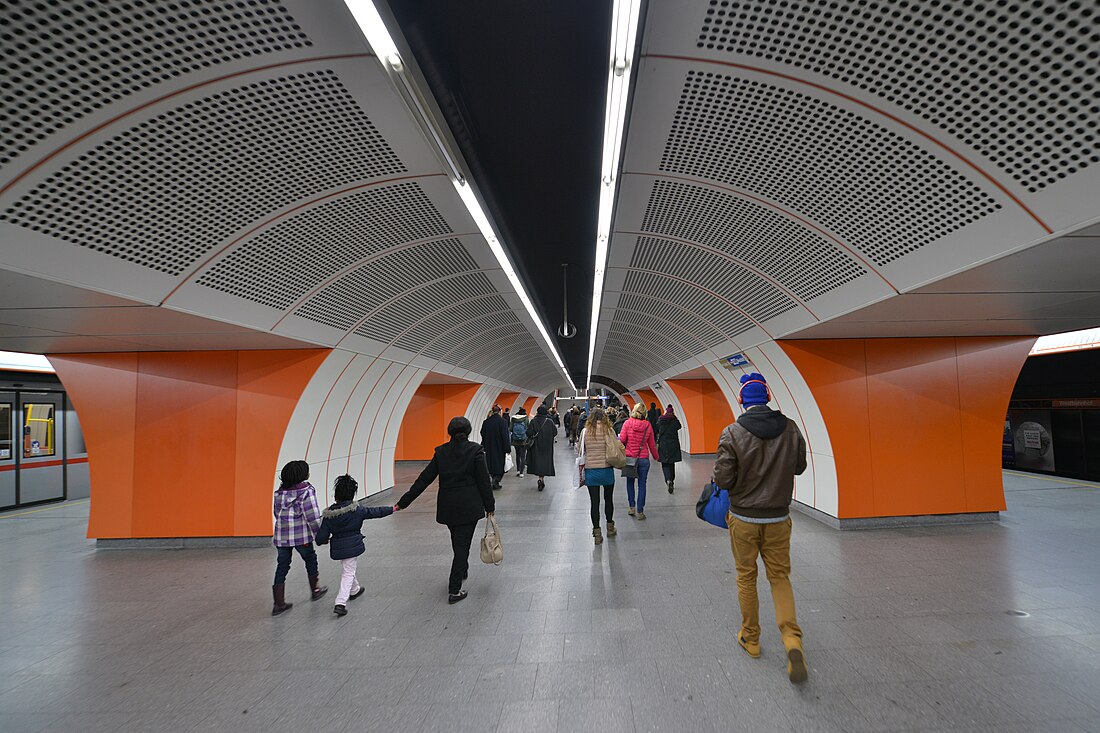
(772, 205)
(729, 258)
(874, 109)
(278, 217)
(158, 100)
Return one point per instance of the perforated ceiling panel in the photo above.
(652, 335)
(76, 56)
(684, 326)
(146, 197)
(708, 307)
(1015, 80)
(367, 289)
(749, 291)
(448, 328)
(281, 264)
(880, 192)
(805, 262)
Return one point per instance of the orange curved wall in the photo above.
(425, 423)
(530, 403)
(706, 411)
(647, 396)
(915, 423)
(184, 444)
(506, 400)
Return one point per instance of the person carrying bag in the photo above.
(600, 453)
(492, 551)
(637, 436)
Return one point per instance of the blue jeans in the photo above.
(643, 471)
(282, 566)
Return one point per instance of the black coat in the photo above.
(496, 442)
(540, 454)
(653, 415)
(465, 493)
(668, 439)
(342, 523)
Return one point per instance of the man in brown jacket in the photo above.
(758, 458)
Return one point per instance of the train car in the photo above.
(42, 453)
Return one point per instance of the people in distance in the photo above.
(495, 440)
(668, 443)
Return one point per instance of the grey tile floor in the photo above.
(906, 629)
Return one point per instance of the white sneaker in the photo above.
(519, 475)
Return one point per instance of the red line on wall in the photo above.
(43, 464)
(873, 108)
(158, 100)
(805, 430)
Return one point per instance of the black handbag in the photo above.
(630, 470)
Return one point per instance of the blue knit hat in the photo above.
(754, 390)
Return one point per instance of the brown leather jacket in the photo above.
(758, 458)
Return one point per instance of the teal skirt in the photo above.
(599, 476)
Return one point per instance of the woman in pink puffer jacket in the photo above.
(637, 436)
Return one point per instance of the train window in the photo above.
(5, 431)
(38, 430)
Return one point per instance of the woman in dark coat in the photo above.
(465, 496)
(497, 444)
(540, 456)
(668, 445)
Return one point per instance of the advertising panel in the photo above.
(1032, 439)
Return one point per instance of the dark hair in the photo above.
(294, 473)
(459, 426)
(521, 411)
(653, 405)
(345, 488)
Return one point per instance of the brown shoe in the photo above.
(278, 594)
(611, 531)
(318, 590)
(597, 535)
(796, 666)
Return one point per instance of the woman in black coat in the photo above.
(465, 496)
(668, 446)
(540, 454)
(497, 444)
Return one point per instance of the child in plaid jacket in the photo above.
(297, 519)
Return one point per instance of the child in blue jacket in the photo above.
(342, 523)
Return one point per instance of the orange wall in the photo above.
(915, 424)
(506, 400)
(530, 403)
(184, 444)
(647, 396)
(425, 423)
(706, 411)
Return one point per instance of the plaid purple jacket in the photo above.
(297, 516)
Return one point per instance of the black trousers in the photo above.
(521, 457)
(670, 471)
(608, 508)
(462, 535)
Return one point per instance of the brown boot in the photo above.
(597, 535)
(277, 594)
(611, 531)
(318, 590)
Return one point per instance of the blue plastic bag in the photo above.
(713, 505)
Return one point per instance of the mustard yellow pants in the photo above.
(772, 542)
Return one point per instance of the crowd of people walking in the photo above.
(758, 457)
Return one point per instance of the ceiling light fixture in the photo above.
(624, 34)
(381, 42)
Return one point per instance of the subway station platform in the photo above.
(992, 627)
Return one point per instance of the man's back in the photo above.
(758, 458)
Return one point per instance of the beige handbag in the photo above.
(492, 552)
(616, 456)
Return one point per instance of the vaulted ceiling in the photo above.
(245, 174)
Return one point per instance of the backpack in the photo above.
(519, 430)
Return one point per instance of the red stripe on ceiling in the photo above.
(158, 100)
(873, 108)
(771, 205)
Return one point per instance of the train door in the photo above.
(41, 455)
(7, 450)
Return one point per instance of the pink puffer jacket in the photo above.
(637, 436)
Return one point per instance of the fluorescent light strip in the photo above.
(466, 193)
(624, 34)
(381, 42)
